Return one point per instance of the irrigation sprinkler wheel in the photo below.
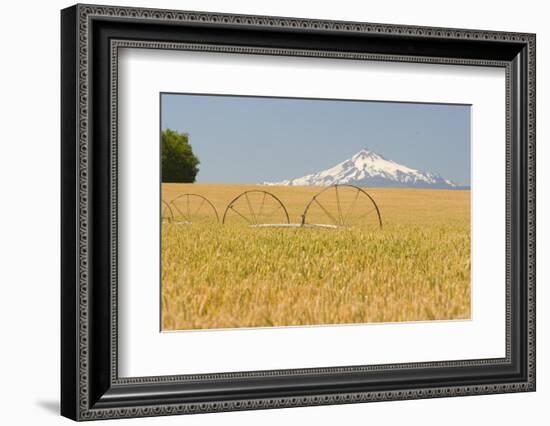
(342, 205)
(255, 208)
(166, 212)
(193, 208)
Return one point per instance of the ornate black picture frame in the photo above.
(91, 36)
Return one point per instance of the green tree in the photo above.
(179, 164)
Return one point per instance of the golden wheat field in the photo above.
(415, 268)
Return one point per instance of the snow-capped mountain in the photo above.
(367, 168)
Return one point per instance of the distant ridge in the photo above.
(367, 168)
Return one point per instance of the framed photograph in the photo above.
(263, 212)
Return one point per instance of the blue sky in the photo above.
(255, 139)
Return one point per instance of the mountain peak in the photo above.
(365, 153)
(367, 168)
